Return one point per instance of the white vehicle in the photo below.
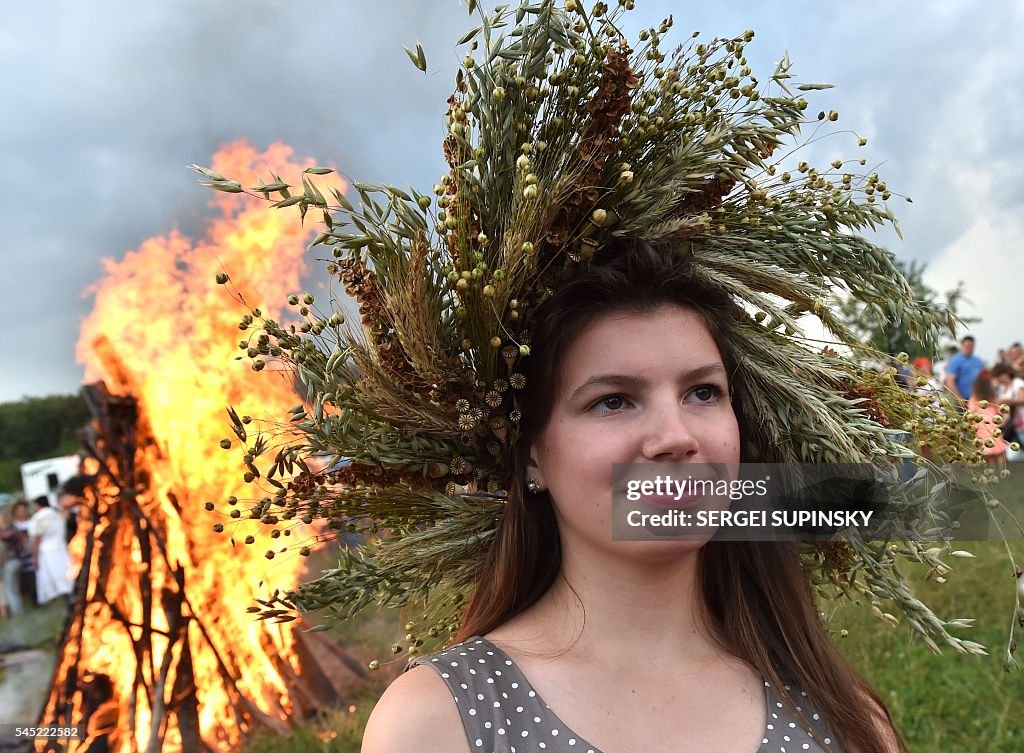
(44, 477)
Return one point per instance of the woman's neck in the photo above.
(604, 611)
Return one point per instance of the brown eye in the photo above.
(707, 393)
(611, 403)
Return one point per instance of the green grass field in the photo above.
(950, 702)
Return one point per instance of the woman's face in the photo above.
(634, 388)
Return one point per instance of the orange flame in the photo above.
(176, 338)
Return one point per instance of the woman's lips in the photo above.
(672, 502)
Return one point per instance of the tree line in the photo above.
(35, 428)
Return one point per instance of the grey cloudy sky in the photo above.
(104, 103)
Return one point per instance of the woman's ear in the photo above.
(534, 474)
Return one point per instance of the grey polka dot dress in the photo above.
(502, 713)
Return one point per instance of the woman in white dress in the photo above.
(49, 551)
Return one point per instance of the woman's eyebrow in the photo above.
(633, 382)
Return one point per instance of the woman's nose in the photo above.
(669, 436)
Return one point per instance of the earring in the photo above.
(532, 485)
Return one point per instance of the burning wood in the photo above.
(133, 593)
(159, 653)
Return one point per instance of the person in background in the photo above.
(3, 567)
(963, 369)
(925, 384)
(1015, 356)
(19, 539)
(939, 367)
(71, 500)
(1010, 390)
(923, 381)
(13, 556)
(983, 401)
(49, 552)
(902, 376)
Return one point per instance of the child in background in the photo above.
(984, 394)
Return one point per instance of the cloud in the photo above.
(111, 100)
(986, 258)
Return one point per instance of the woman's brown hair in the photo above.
(982, 388)
(757, 600)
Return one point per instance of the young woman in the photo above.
(512, 346)
(575, 642)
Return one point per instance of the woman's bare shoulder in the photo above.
(416, 712)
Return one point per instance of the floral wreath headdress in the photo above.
(561, 136)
